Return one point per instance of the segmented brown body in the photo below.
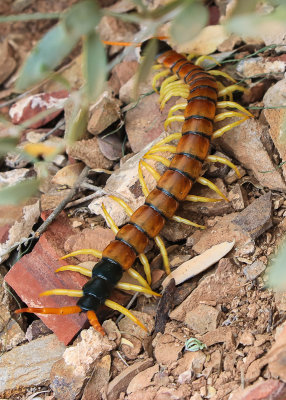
(175, 184)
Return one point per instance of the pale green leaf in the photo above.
(145, 67)
(95, 66)
(277, 274)
(82, 18)
(189, 22)
(15, 194)
(46, 56)
(7, 144)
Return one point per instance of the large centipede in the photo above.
(201, 92)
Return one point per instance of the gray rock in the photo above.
(254, 270)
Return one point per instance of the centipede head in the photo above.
(162, 47)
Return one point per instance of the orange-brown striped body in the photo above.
(174, 185)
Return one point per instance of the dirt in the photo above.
(219, 333)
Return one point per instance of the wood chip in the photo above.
(200, 263)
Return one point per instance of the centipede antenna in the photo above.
(136, 288)
(160, 159)
(62, 292)
(176, 107)
(219, 132)
(214, 72)
(134, 274)
(203, 58)
(174, 118)
(144, 261)
(232, 104)
(117, 307)
(187, 222)
(228, 114)
(109, 220)
(123, 204)
(224, 161)
(206, 182)
(159, 242)
(92, 252)
(91, 316)
(48, 310)
(76, 268)
(202, 199)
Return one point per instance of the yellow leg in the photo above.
(169, 138)
(134, 274)
(187, 222)
(93, 252)
(232, 104)
(62, 292)
(221, 87)
(169, 120)
(202, 199)
(75, 268)
(191, 56)
(177, 107)
(94, 322)
(225, 161)
(159, 242)
(172, 86)
(227, 114)
(152, 170)
(158, 76)
(226, 128)
(117, 307)
(214, 72)
(206, 182)
(123, 204)
(160, 159)
(168, 80)
(231, 89)
(144, 261)
(179, 93)
(144, 187)
(158, 148)
(109, 220)
(135, 288)
(203, 58)
(156, 67)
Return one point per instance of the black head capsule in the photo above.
(162, 47)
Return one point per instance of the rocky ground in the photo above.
(218, 331)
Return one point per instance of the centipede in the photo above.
(203, 96)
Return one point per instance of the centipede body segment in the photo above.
(201, 92)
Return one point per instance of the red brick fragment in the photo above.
(269, 389)
(35, 273)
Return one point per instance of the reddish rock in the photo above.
(265, 390)
(35, 273)
(121, 73)
(29, 107)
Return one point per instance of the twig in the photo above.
(134, 297)
(58, 125)
(86, 198)
(63, 203)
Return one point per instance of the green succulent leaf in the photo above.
(15, 194)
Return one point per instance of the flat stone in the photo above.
(257, 217)
(21, 366)
(98, 380)
(97, 238)
(121, 73)
(167, 349)
(222, 334)
(126, 325)
(193, 361)
(38, 269)
(69, 374)
(245, 141)
(103, 113)
(202, 319)
(238, 197)
(257, 65)
(215, 362)
(121, 382)
(36, 330)
(89, 152)
(220, 287)
(143, 379)
(254, 270)
(275, 97)
(68, 175)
